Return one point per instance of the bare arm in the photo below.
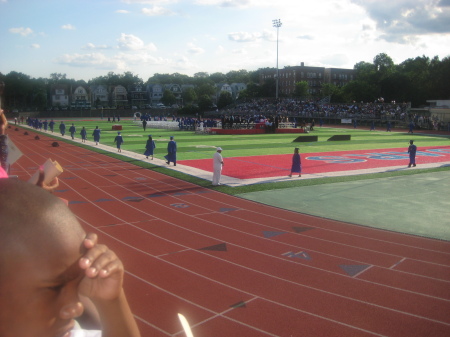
(3, 122)
(103, 285)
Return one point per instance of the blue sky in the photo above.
(88, 38)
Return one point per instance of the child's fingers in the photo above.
(100, 261)
(90, 240)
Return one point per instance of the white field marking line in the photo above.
(322, 253)
(111, 150)
(275, 277)
(289, 281)
(334, 230)
(254, 295)
(279, 257)
(222, 313)
(172, 253)
(357, 235)
(362, 271)
(282, 243)
(227, 286)
(339, 243)
(278, 277)
(152, 325)
(396, 264)
(206, 175)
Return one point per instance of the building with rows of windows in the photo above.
(314, 76)
(140, 96)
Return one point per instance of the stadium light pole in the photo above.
(277, 24)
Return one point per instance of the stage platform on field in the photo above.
(216, 131)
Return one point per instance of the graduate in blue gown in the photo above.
(51, 125)
(171, 152)
(412, 149)
(119, 141)
(96, 134)
(149, 147)
(62, 128)
(296, 163)
(83, 134)
(72, 131)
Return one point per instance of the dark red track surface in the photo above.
(239, 268)
(324, 162)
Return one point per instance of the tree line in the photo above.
(414, 80)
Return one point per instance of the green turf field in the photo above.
(410, 201)
(200, 146)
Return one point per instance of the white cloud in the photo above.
(244, 36)
(401, 21)
(149, 2)
(35, 46)
(193, 49)
(335, 60)
(305, 37)
(86, 60)
(122, 11)
(220, 50)
(93, 46)
(131, 42)
(140, 59)
(183, 63)
(239, 52)
(68, 27)
(225, 3)
(157, 11)
(21, 30)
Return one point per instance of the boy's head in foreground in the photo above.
(41, 243)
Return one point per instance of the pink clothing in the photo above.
(3, 173)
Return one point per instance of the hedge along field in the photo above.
(200, 146)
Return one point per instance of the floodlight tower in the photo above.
(277, 24)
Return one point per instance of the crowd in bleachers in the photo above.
(314, 109)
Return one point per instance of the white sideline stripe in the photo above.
(235, 182)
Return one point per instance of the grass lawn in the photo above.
(199, 146)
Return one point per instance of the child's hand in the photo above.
(3, 122)
(104, 271)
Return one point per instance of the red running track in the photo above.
(324, 162)
(238, 268)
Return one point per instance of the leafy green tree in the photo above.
(240, 76)
(168, 98)
(218, 78)
(175, 78)
(129, 79)
(205, 89)
(189, 95)
(360, 91)
(205, 102)
(439, 78)
(253, 76)
(336, 93)
(18, 90)
(253, 91)
(301, 89)
(224, 100)
(40, 100)
(268, 88)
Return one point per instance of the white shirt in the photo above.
(217, 160)
(77, 331)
